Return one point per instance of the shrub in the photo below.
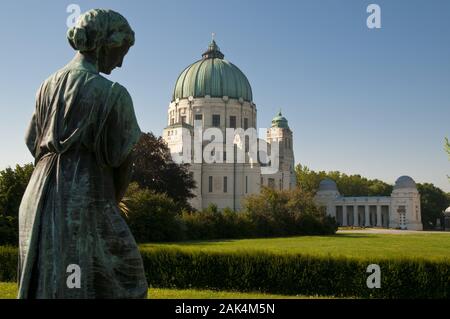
(211, 223)
(8, 263)
(286, 213)
(152, 216)
(13, 182)
(202, 224)
(8, 230)
(156, 217)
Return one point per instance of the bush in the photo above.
(155, 217)
(211, 223)
(152, 216)
(8, 230)
(269, 214)
(282, 273)
(13, 183)
(8, 263)
(287, 213)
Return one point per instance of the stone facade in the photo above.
(400, 210)
(221, 183)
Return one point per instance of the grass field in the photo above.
(421, 245)
(9, 291)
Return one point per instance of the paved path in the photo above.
(387, 231)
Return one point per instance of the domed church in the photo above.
(214, 95)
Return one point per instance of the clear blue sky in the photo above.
(373, 102)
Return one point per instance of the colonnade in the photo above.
(352, 218)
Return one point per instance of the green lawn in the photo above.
(431, 246)
(9, 291)
(421, 245)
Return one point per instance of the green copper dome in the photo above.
(213, 76)
(280, 121)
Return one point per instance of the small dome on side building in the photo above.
(405, 182)
(328, 185)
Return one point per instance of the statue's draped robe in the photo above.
(81, 134)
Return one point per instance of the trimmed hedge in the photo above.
(8, 263)
(296, 274)
(283, 273)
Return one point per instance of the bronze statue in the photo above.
(81, 136)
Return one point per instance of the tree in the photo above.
(12, 186)
(13, 183)
(348, 185)
(154, 169)
(380, 188)
(433, 202)
(308, 180)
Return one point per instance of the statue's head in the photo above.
(103, 35)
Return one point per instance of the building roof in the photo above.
(327, 184)
(280, 121)
(405, 182)
(213, 76)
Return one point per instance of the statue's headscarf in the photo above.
(99, 27)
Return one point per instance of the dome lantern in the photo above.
(280, 121)
(213, 51)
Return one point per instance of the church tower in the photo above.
(281, 134)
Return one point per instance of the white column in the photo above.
(390, 210)
(355, 216)
(379, 216)
(344, 215)
(367, 216)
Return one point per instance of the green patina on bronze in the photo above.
(81, 135)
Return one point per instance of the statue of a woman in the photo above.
(73, 241)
